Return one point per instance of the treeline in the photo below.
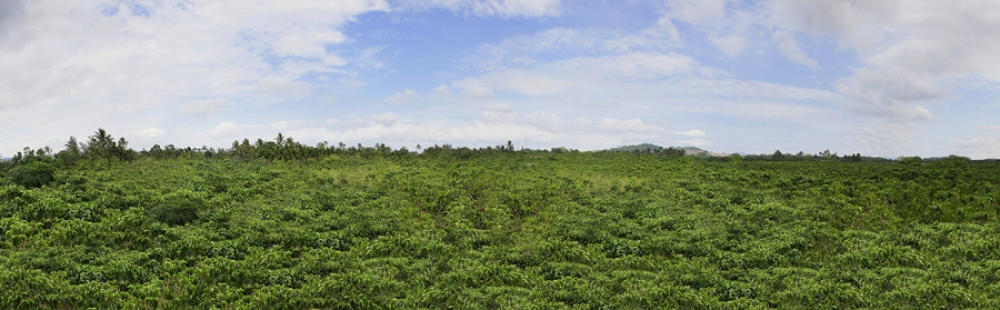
(101, 147)
(821, 156)
(286, 148)
(674, 152)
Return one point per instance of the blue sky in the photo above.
(880, 77)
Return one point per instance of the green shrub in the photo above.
(178, 208)
(32, 175)
(174, 214)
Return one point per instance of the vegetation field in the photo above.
(285, 226)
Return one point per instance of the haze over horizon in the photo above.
(880, 78)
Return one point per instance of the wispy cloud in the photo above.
(385, 119)
(201, 107)
(500, 8)
(404, 96)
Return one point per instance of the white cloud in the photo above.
(792, 50)
(498, 113)
(283, 87)
(227, 128)
(540, 47)
(691, 133)
(228, 131)
(151, 132)
(643, 65)
(679, 83)
(527, 49)
(695, 142)
(500, 8)
(978, 147)
(634, 124)
(465, 133)
(931, 43)
(354, 121)
(293, 124)
(730, 45)
(545, 120)
(495, 106)
(100, 62)
(705, 12)
(889, 95)
(405, 96)
(477, 92)
(385, 119)
(201, 107)
(442, 90)
(142, 66)
(925, 44)
(533, 85)
(279, 125)
(888, 138)
(859, 24)
(573, 73)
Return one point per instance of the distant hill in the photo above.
(688, 150)
(694, 151)
(640, 147)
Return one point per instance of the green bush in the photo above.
(174, 214)
(32, 175)
(177, 208)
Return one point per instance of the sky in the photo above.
(877, 77)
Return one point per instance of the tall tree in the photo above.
(72, 146)
(101, 144)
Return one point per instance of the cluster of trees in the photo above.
(674, 152)
(99, 146)
(34, 168)
(821, 156)
(650, 149)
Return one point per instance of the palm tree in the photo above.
(72, 146)
(121, 149)
(95, 139)
(101, 143)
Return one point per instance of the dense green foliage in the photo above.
(32, 175)
(364, 228)
(177, 208)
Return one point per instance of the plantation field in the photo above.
(502, 230)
